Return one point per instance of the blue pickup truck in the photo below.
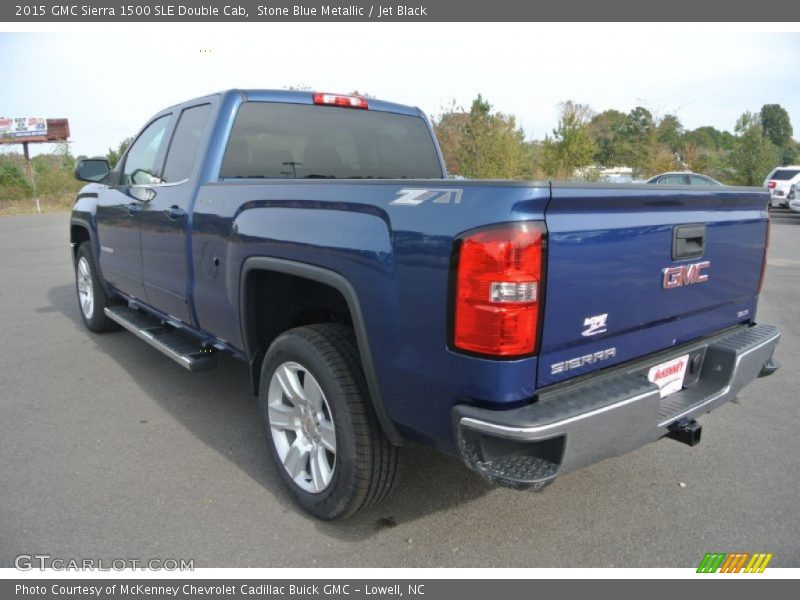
(531, 328)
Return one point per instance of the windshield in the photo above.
(299, 141)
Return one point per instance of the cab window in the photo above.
(185, 143)
(299, 141)
(140, 162)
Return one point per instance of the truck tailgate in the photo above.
(638, 269)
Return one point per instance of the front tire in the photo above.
(92, 297)
(322, 432)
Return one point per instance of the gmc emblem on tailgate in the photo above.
(684, 275)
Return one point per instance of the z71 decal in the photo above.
(416, 196)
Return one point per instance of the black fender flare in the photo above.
(93, 241)
(343, 286)
(83, 223)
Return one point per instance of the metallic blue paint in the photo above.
(397, 258)
(605, 251)
(604, 240)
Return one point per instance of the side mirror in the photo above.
(92, 169)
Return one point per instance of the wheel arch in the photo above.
(79, 232)
(319, 275)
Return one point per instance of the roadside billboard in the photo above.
(19, 130)
(23, 127)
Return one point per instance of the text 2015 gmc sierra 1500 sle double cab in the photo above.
(531, 328)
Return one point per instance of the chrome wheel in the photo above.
(85, 288)
(302, 427)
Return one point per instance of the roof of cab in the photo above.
(307, 97)
(299, 97)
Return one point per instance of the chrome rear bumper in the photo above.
(608, 415)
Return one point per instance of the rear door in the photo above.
(635, 270)
(165, 218)
(120, 205)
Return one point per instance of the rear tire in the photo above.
(322, 432)
(92, 297)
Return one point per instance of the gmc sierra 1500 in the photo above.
(531, 328)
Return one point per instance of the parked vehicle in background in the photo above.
(792, 197)
(617, 179)
(317, 238)
(779, 182)
(683, 178)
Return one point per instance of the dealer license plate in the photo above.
(669, 376)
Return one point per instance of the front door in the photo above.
(119, 208)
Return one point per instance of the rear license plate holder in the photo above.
(669, 375)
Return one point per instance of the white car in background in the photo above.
(794, 198)
(780, 182)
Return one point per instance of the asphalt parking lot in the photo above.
(108, 450)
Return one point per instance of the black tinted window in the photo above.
(185, 142)
(305, 141)
(784, 174)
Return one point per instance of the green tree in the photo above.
(710, 138)
(790, 152)
(754, 154)
(748, 120)
(113, 156)
(491, 145)
(572, 144)
(776, 125)
(13, 183)
(641, 133)
(449, 127)
(715, 163)
(53, 174)
(609, 129)
(702, 137)
(727, 141)
(640, 122)
(669, 132)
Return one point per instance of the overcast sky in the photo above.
(107, 80)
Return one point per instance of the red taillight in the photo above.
(764, 261)
(771, 185)
(499, 290)
(340, 100)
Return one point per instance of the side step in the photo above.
(187, 353)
